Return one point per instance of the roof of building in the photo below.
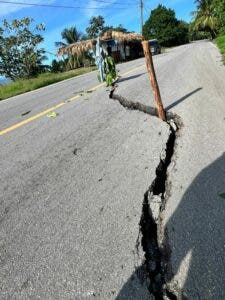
(82, 46)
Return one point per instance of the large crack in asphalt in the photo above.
(156, 253)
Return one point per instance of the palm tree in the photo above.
(205, 18)
(69, 36)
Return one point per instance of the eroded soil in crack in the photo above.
(156, 254)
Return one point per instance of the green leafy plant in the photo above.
(110, 70)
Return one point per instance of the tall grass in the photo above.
(25, 85)
(220, 41)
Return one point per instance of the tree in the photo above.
(69, 36)
(182, 32)
(205, 18)
(96, 27)
(120, 28)
(163, 25)
(20, 55)
(57, 66)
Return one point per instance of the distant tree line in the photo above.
(72, 35)
(21, 54)
(208, 22)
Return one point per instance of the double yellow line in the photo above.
(45, 112)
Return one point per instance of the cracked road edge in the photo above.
(152, 237)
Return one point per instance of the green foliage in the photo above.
(57, 66)
(110, 70)
(116, 28)
(163, 25)
(182, 32)
(195, 35)
(220, 41)
(20, 55)
(205, 17)
(210, 17)
(69, 36)
(96, 27)
(25, 85)
(219, 6)
(120, 28)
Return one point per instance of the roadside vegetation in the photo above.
(22, 59)
(25, 85)
(220, 41)
(209, 21)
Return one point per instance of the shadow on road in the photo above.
(135, 288)
(196, 228)
(129, 78)
(182, 99)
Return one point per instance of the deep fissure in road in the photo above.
(155, 258)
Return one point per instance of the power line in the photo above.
(56, 6)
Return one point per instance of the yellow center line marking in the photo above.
(73, 98)
(45, 112)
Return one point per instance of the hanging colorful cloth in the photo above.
(99, 60)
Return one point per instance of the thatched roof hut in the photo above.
(77, 48)
(82, 46)
(121, 36)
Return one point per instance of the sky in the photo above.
(115, 12)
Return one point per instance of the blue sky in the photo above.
(56, 19)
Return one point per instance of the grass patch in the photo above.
(25, 85)
(220, 41)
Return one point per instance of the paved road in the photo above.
(72, 187)
(192, 81)
(47, 97)
(71, 193)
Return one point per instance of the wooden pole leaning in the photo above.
(153, 80)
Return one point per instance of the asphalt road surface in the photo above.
(72, 189)
(72, 186)
(192, 82)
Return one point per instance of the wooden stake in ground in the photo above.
(153, 80)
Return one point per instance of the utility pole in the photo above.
(141, 15)
(153, 80)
